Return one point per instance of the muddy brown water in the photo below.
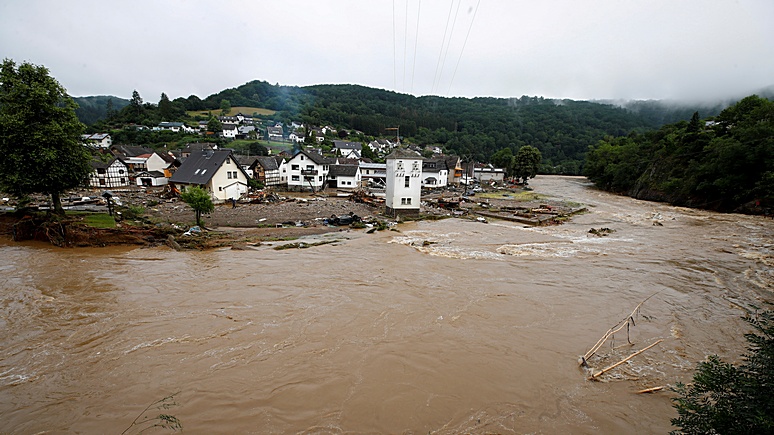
(477, 331)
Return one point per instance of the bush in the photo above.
(727, 399)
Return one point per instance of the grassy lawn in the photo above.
(234, 111)
(96, 220)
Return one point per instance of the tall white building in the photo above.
(404, 183)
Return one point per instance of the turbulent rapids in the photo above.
(445, 327)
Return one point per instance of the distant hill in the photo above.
(474, 128)
(92, 109)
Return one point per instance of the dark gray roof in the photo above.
(200, 166)
(343, 170)
(320, 160)
(402, 153)
(344, 145)
(131, 150)
(246, 160)
(99, 164)
(268, 163)
(154, 174)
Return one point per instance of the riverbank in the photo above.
(148, 219)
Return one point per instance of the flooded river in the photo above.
(445, 327)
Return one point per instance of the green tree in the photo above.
(527, 163)
(199, 200)
(728, 399)
(39, 135)
(504, 159)
(135, 106)
(214, 125)
(225, 107)
(165, 108)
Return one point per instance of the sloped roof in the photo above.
(131, 150)
(402, 153)
(344, 145)
(343, 170)
(320, 160)
(199, 146)
(268, 163)
(154, 174)
(200, 166)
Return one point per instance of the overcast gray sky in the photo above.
(579, 49)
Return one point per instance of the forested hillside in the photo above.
(92, 109)
(726, 164)
(474, 128)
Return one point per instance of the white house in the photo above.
(348, 150)
(99, 140)
(489, 174)
(404, 183)
(151, 179)
(434, 173)
(112, 174)
(229, 131)
(217, 171)
(374, 174)
(344, 177)
(307, 170)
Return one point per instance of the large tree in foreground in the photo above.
(732, 399)
(199, 200)
(40, 149)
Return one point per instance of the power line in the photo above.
(416, 40)
(443, 41)
(448, 44)
(394, 52)
(405, 45)
(463, 46)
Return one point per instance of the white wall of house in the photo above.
(435, 179)
(151, 181)
(303, 173)
(228, 182)
(404, 183)
(484, 175)
(115, 175)
(156, 163)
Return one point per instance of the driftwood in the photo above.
(618, 326)
(594, 376)
(650, 390)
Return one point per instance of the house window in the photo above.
(220, 188)
(310, 167)
(319, 178)
(405, 201)
(121, 171)
(294, 167)
(229, 174)
(235, 175)
(101, 181)
(400, 166)
(407, 182)
(123, 180)
(302, 157)
(294, 177)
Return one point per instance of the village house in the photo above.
(267, 171)
(229, 131)
(489, 174)
(307, 170)
(244, 119)
(151, 179)
(296, 136)
(454, 165)
(348, 150)
(346, 177)
(216, 171)
(404, 183)
(97, 140)
(109, 174)
(174, 126)
(196, 146)
(434, 173)
(374, 174)
(276, 133)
